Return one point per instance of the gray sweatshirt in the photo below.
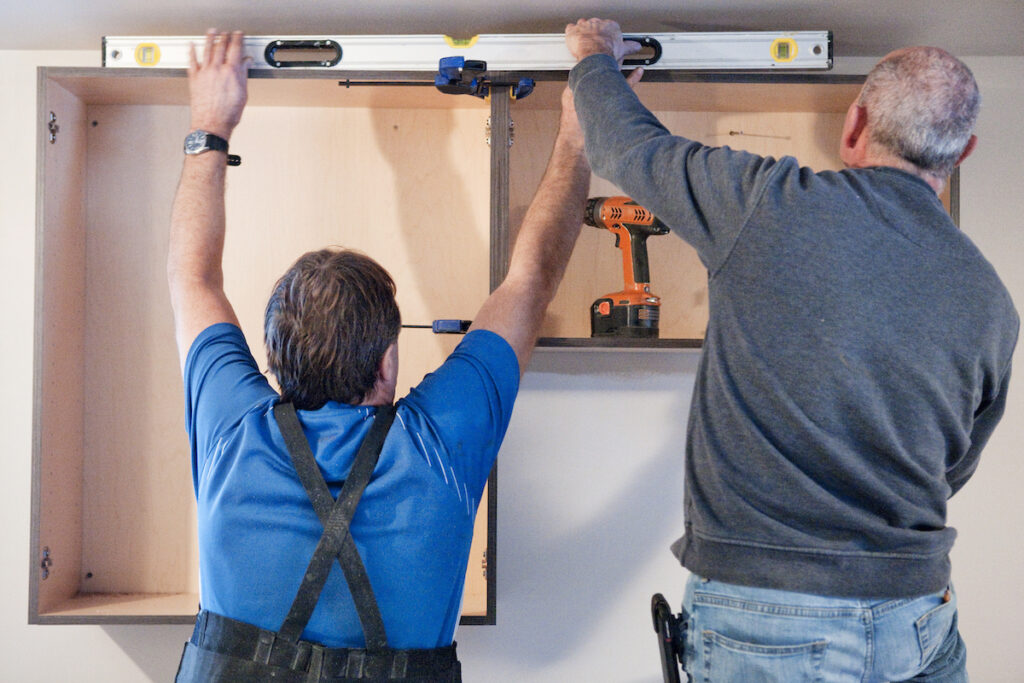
(856, 358)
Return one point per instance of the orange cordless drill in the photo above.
(634, 311)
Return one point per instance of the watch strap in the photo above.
(216, 143)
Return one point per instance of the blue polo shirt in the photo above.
(413, 526)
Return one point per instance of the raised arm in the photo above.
(516, 308)
(217, 89)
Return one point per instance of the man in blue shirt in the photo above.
(331, 332)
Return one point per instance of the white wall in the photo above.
(42, 653)
(988, 558)
(590, 487)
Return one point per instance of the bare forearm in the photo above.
(197, 223)
(553, 220)
(194, 272)
(516, 308)
(217, 96)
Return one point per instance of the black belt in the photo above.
(225, 649)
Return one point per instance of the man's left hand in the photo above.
(598, 36)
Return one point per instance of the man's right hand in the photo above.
(217, 85)
(598, 36)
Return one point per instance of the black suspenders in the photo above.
(224, 650)
(335, 515)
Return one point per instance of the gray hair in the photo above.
(922, 103)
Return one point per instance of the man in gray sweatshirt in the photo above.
(856, 361)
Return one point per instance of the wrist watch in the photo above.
(199, 141)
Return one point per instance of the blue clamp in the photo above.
(459, 76)
(521, 89)
(450, 326)
(456, 76)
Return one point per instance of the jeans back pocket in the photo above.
(726, 659)
(933, 627)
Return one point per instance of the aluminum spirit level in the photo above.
(718, 51)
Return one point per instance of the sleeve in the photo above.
(985, 420)
(704, 194)
(222, 383)
(466, 404)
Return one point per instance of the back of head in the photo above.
(922, 103)
(329, 320)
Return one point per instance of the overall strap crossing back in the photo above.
(336, 516)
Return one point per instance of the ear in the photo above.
(387, 369)
(853, 131)
(383, 391)
(968, 148)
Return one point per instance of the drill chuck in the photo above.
(588, 212)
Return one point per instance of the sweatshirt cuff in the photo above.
(598, 62)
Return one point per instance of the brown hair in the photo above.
(328, 322)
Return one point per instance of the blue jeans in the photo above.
(750, 635)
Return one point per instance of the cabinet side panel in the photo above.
(60, 285)
(474, 600)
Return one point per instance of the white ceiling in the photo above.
(861, 27)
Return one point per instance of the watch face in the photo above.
(195, 142)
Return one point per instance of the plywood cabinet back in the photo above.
(408, 187)
(138, 509)
(730, 119)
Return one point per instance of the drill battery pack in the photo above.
(609, 319)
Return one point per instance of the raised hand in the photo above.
(598, 36)
(218, 85)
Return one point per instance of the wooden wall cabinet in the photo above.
(401, 173)
(768, 114)
(431, 185)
